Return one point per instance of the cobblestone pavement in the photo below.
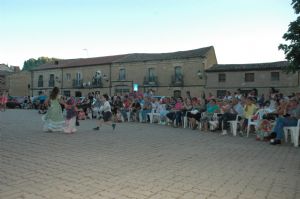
(144, 161)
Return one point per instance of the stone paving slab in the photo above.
(139, 161)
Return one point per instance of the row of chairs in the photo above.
(292, 131)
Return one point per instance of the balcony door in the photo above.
(151, 74)
(178, 74)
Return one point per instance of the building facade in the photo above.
(262, 76)
(19, 83)
(4, 72)
(165, 73)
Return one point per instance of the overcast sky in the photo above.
(242, 31)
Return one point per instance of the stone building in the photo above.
(262, 76)
(19, 83)
(4, 72)
(165, 73)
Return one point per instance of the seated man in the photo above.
(235, 108)
(290, 119)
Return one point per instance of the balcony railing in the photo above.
(96, 82)
(150, 81)
(77, 83)
(177, 80)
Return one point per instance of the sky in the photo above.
(241, 31)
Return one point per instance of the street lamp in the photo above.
(200, 74)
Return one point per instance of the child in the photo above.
(71, 116)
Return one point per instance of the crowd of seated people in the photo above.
(272, 113)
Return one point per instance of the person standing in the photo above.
(106, 112)
(3, 100)
(53, 119)
(71, 111)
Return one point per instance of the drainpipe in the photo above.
(299, 79)
(62, 80)
(31, 83)
(110, 79)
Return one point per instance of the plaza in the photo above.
(139, 160)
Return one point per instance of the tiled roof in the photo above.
(138, 57)
(248, 67)
(63, 63)
(135, 57)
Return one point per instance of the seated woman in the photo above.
(249, 110)
(195, 114)
(175, 113)
(147, 107)
(211, 108)
(135, 110)
(163, 109)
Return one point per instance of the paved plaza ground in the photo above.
(137, 160)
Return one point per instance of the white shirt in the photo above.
(105, 107)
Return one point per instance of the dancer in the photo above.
(53, 119)
(71, 116)
(106, 112)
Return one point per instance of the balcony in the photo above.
(97, 83)
(177, 80)
(150, 81)
(77, 83)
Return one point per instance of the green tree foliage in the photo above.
(32, 63)
(292, 50)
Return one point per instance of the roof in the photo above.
(248, 67)
(135, 57)
(5, 68)
(64, 63)
(140, 57)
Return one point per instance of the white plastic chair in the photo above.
(185, 120)
(154, 114)
(259, 115)
(128, 115)
(294, 130)
(234, 125)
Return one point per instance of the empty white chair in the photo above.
(294, 130)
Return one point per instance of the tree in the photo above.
(292, 51)
(32, 63)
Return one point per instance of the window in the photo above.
(151, 75)
(222, 77)
(249, 77)
(78, 76)
(67, 93)
(178, 73)
(68, 76)
(177, 93)
(122, 74)
(51, 80)
(78, 94)
(40, 81)
(274, 76)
